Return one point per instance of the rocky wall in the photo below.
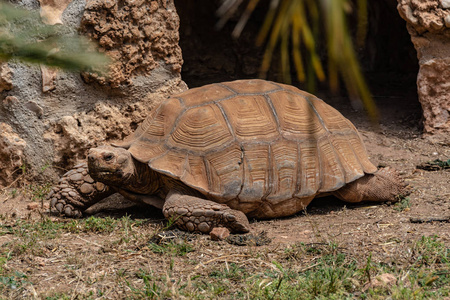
(49, 118)
(428, 22)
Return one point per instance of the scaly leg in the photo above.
(384, 185)
(195, 214)
(76, 191)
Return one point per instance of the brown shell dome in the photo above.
(251, 140)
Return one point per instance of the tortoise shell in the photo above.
(251, 141)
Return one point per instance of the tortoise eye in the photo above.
(108, 157)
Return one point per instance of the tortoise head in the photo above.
(113, 166)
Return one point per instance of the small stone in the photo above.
(33, 206)
(385, 279)
(80, 170)
(86, 188)
(66, 190)
(76, 177)
(72, 194)
(79, 165)
(219, 233)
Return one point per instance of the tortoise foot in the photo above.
(199, 215)
(75, 192)
(383, 185)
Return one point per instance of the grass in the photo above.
(96, 258)
(403, 204)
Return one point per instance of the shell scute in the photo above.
(256, 166)
(251, 118)
(253, 86)
(200, 129)
(297, 118)
(285, 161)
(208, 93)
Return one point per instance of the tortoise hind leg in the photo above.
(384, 185)
(77, 191)
(195, 214)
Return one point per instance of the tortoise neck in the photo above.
(143, 180)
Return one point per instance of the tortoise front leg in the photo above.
(77, 191)
(199, 215)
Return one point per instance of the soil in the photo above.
(381, 229)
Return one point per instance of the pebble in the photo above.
(219, 233)
(72, 194)
(33, 206)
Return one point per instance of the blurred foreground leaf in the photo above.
(294, 27)
(25, 38)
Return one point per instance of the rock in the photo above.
(383, 280)
(59, 125)
(33, 206)
(151, 34)
(51, 10)
(12, 155)
(219, 233)
(37, 205)
(48, 78)
(34, 107)
(5, 77)
(425, 23)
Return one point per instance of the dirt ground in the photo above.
(384, 230)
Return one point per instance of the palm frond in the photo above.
(293, 27)
(25, 38)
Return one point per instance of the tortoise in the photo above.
(217, 155)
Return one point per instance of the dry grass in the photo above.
(114, 258)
